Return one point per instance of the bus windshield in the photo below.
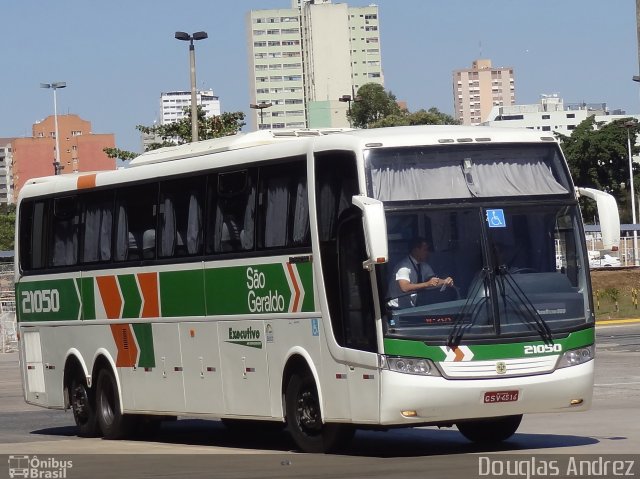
(466, 171)
(514, 271)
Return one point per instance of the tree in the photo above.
(7, 227)
(179, 132)
(376, 108)
(372, 104)
(598, 158)
(432, 116)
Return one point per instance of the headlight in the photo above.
(577, 356)
(419, 366)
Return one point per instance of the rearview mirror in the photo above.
(375, 230)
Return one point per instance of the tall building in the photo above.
(6, 172)
(173, 104)
(304, 58)
(80, 150)
(478, 89)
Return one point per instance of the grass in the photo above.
(606, 309)
(617, 284)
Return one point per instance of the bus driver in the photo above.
(412, 274)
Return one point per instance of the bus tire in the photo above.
(490, 430)
(83, 406)
(113, 424)
(304, 419)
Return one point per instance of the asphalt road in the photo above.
(192, 447)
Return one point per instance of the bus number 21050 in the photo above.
(41, 301)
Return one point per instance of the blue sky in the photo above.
(118, 55)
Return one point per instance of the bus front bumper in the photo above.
(408, 398)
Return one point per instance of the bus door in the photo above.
(357, 319)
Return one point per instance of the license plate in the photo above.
(500, 396)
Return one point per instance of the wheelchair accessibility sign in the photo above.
(495, 219)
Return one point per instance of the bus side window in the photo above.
(181, 226)
(301, 231)
(65, 221)
(136, 222)
(33, 221)
(233, 226)
(97, 227)
(284, 206)
(122, 234)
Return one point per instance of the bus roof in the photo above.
(228, 151)
(395, 136)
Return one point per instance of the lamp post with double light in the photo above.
(57, 168)
(260, 106)
(348, 99)
(192, 61)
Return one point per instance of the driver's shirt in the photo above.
(407, 269)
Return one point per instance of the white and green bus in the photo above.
(246, 278)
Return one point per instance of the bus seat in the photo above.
(230, 239)
(149, 244)
(134, 250)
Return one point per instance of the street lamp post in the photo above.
(54, 86)
(192, 60)
(629, 125)
(260, 106)
(348, 99)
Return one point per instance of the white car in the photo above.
(605, 261)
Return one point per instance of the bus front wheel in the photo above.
(304, 419)
(490, 430)
(83, 407)
(113, 423)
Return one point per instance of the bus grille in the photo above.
(498, 368)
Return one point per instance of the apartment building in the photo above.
(174, 104)
(303, 59)
(80, 150)
(6, 175)
(478, 89)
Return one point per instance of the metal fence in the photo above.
(624, 253)
(8, 329)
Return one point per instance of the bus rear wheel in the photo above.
(304, 419)
(83, 407)
(490, 430)
(113, 423)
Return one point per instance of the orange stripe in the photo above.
(126, 344)
(86, 181)
(111, 299)
(459, 354)
(149, 289)
(295, 287)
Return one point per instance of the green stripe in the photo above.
(254, 289)
(182, 293)
(88, 298)
(144, 336)
(483, 352)
(130, 295)
(47, 300)
(305, 270)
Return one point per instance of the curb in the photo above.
(605, 322)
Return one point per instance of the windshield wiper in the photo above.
(530, 313)
(459, 327)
